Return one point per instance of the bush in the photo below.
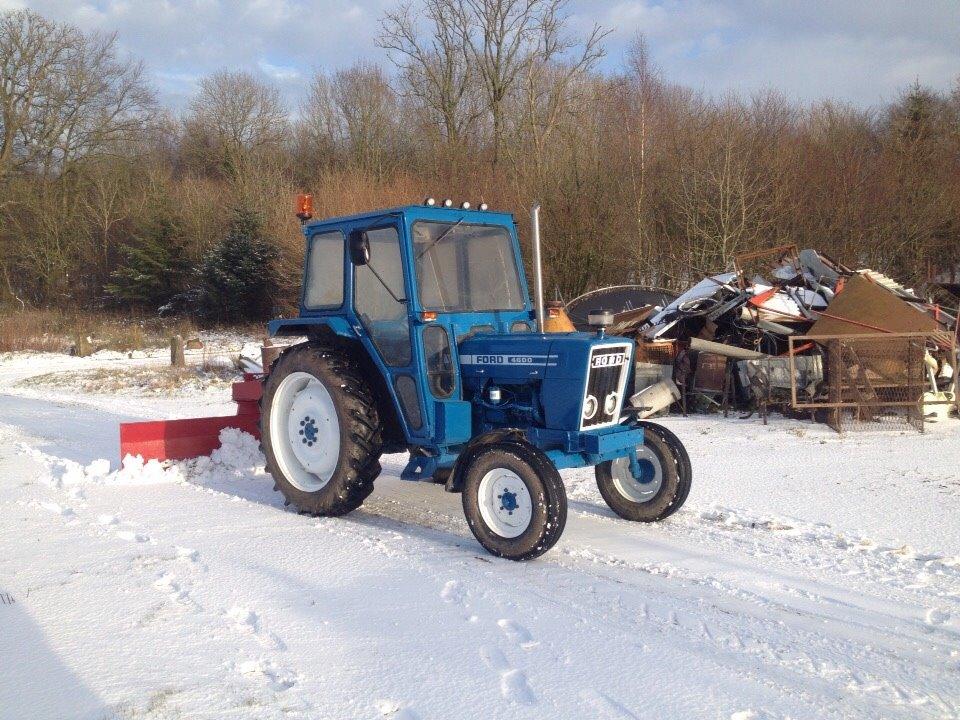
(237, 276)
(153, 269)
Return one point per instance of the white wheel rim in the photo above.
(631, 488)
(505, 503)
(304, 431)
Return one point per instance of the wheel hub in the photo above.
(305, 431)
(505, 503)
(648, 472)
(308, 428)
(644, 488)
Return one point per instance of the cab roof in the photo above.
(419, 212)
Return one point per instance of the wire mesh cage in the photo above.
(877, 381)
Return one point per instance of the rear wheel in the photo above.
(320, 430)
(514, 500)
(664, 481)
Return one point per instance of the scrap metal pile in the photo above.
(798, 331)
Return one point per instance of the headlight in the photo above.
(610, 403)
(590, 406)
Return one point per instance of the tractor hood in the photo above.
(571, 368)
(511, 358)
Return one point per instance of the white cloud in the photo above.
(863, 51)
(280, 73)
(280, 39)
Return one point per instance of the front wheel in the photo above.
(664, 481)
(514, 500)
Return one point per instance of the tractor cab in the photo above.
(410, 284)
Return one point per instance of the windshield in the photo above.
(463, 267)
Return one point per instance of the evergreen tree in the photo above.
(237, 276)
(154, 267)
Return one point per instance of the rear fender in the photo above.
(311, 327)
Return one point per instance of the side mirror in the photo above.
(359, 248)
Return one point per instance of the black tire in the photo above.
(361, 435)
(549, 499)
(682, 457)
(676, 478)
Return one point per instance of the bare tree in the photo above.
(554, 88)
(114, 192)
(508, 38)
(357, 112)
(644, 77)
(722, 197)
(499, 45)
(234, 118)
(318, 125)
(64, 94)
(435, 66)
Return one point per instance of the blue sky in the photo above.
(860, 51)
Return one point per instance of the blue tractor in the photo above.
(421, 337)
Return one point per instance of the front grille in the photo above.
(607, 374)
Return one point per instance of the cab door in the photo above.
(381, 304)
(450, 415)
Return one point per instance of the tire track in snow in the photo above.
(732, 608)
(818, 638)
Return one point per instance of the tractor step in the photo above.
(419, 468)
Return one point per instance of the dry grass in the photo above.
(40, 330)
(59, 331)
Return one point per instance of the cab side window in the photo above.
(436, 348)
(323, 285)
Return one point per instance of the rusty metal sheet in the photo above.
(865, 307)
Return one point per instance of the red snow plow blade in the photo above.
(193, 437)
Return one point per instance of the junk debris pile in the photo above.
(801, 333)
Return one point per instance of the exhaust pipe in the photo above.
(537, 268)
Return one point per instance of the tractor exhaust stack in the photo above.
(537, 268)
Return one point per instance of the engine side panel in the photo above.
(505, 359)
(557, 370)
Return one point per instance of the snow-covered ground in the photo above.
(808, 576)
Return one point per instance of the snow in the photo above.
(808, 576)
(136, 383)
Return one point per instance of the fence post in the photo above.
(176, 352)
(834, 371)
